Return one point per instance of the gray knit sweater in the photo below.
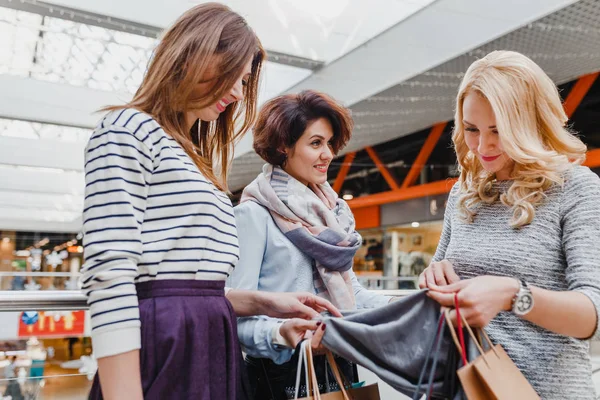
(559, 250)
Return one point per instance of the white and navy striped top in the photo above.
(148, 214)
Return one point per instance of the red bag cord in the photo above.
(460, 330)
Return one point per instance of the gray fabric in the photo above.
(392, 341)
(558, 251)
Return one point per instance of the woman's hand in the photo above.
(296, 329)
(316, 338)
(296, 305)
(438, 274)
(480, 299)
(279, 305)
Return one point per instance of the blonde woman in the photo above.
(520, 243)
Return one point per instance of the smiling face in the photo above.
(482, 138)
(235, 94)
(309, 159)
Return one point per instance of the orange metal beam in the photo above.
(407, 191)
(578, 92)
(381, 167)
(367, 217)
(421, 160)
(434, 188)
(341, 176)
(592, 159)
(414, 192)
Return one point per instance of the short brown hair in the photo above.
(283, 120)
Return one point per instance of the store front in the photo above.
(396, 252)
(39, 260)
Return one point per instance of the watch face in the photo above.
(524, 303)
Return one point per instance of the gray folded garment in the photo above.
(393, 342)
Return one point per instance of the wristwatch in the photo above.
(522, 303)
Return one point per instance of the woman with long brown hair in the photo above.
(160, 233)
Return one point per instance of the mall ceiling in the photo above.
(397, 64)
(566, 44)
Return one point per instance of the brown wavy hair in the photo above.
(283, 120)
(208, 38)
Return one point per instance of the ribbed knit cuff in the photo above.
(110, 343)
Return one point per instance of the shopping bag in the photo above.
(369, 392)
(492, 375)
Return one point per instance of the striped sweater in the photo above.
(558, 251)
(148, 214)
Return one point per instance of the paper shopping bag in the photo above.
(369, 392)
(492, 375)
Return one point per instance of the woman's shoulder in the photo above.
(581, 181)
(579, 173)
(455, 190)
(251, 210)
(252, 218)
(132, 121)
(453, 194)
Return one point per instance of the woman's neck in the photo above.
(290, 173)
(190, 120)
(502, 176)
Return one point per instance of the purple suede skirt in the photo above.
(190, 348)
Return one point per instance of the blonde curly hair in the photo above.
(532, 129)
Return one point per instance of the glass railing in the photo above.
(49, 356)
(71, 300)
(46, 380)
(377, 282)
(46, 300)
(31, 281)
(39, 373)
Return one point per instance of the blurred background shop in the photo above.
(396, 63)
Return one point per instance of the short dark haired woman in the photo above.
(295, 233)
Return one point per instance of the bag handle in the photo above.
(463, 348)
(337, 374)
(489, 342)
(455, 338)
(312, 375)
(432, 344)
(299, 368)
(302, 361)
(436, 357)
(316, 394)
(460, 317)
(460, 320)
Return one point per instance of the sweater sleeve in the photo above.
(117, 171)
(440, 252)
(580, 213)
(255, 333)
(366, 298)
